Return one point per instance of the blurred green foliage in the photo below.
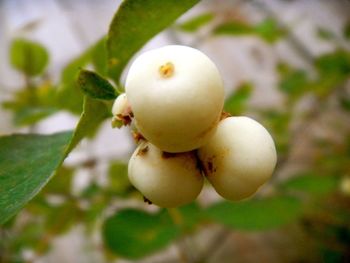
(310, 198)
(28, 57)
(195, 23)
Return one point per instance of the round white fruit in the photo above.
(167, 180)
(176, 95)
(239, 158)
(120, 105)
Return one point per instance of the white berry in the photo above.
(239, 158)
(176, 94)
(167, 180)
(121, 111)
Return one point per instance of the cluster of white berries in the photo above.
(175, 96)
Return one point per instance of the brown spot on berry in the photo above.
(143, 150)
(147, 200)
(167, 155)
(138, 137)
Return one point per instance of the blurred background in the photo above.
(285, 63)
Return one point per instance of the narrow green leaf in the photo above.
(29, 57)
(268, 29)
(95, 86)
(135, 23)
(255, 215)
(134, 234)
(94, 112)
(27, 162)
(311, 183)
(195, 23)
(236, 103)
(235, 28)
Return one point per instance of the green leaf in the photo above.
(347, 30)
(32, 104)
(29, 57)
(335, 64)
(61, 183)
(195, 23)
(135, 23)
(69, 96)
(94, 112)
(191, 215)
(268, 29)
(27, 162)
(119, 183)
(325, 34)
(236, 103)
(255, 215)
(95, 86)
(99, 57)
(235, 28)
(295, 83)
(312, 184)
(345, 103)
(134, 234)
(333, 70)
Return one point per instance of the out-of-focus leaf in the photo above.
(333, 70)
(311, 183)
(235, 28)
(69, 96)
(295, 83)
(94, 112)
(277, 123)
(236, 103)
(61, 183)
(347, 30)
(32, 105)
(118, 178)
(325, 34)
(334, 64)
(267, 29)
(255, 215)
(192, 215)
(95, 86)
(134, 234)
(195, 23)
(29, 57)
(99, 57)
(135, 23)
(26, 164)
(60, 219)
(345, 103)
